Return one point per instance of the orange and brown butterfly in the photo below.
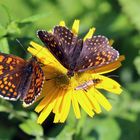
(20, 79)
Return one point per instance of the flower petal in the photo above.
(107, 84)
(95, 104)
(84, 102)
(46, 111)
(102, 100)
(90, 33)
(65, 106)
(62, 23)
(76, 106)
(111, 41)
(56, 108)
(75, 27)
(47, 100)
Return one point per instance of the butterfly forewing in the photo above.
(62, 44)
(54, 45)
(9, 64)
(67, 39)
(96, 52)
(9, 86)
(70, 43)
(10, 75)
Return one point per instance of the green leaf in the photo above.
(5, 14)
(137, 64)
(33, 116)
(34, 18)
(22, 113)
(2, 31)
(4, 45)
(135, 87)
(30, 127)
(102, 129)
(5, 106)
(13, 28)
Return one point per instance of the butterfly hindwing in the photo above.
(10, 75)
(35, 86)
(96, 52)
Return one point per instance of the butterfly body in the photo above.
(75, 54)
(20, 79)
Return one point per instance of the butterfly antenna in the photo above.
(113, 76)
(21, 45)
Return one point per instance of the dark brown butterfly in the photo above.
(20, 79)
(75, 54)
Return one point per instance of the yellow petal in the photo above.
(46, 111)
(95, 104)
(61, 93)
(41, 53)
(111, 41)
(47, 87)
(56, 117)
(102, 100)
(76, 106)
(90, 33)
(62, 23)
(47, 100)
(35, 45)
(75, 27)
(107, 84)
(44, 55)
(65, 106)
(84, 102)
(50, 31)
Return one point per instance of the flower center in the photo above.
(62, 80)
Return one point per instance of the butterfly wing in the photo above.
(35, 84)
(10, 76)
(10, 63)
(62, 44)
(95, 53)
(53, 44)
(70, 43)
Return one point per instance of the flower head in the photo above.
(59, 92)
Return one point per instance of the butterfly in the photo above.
(87, 84)
(20, 78)
(75, 54)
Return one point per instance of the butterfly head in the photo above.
(30, 65)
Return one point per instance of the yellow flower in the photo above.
(59, 92)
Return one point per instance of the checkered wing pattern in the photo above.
(10, 76)
(62, 44)
(20, 79)
(96, 52)
(35, 85)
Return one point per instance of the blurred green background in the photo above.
(116, 19)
